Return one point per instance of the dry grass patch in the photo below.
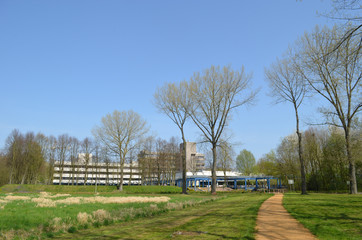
(100, 215)
(47, 195)
(43, 202)
(83, 218)
(106, 200)
(16, 198)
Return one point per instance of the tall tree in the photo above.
(336, 76)
(173, 100)
(119, 132)
(214, 94)
(245, 162)
(288, 85)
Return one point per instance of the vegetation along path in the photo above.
(233, 217)
(274, 222)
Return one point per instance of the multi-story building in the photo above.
(87, 172)
(151, 168)
(194, 161)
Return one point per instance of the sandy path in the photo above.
(274, 222)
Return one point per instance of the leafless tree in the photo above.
(225, 155)
(52, 142)
(74, 151)
(119, 132)
(215, 93)
(173, 100)
(62, 153)
(288, 85)
(336, 76)
(87, 147)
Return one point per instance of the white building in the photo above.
(90, 173)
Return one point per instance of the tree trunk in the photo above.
(184, 188)
(213, 171)
(23, 179)
(130, 172)
(300, 152)
(121, 173)
(352, 166)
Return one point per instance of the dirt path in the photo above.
(274, 222)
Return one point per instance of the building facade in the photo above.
(151, 168)
(194, 161)
(88, 172)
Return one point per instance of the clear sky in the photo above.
(65, 64)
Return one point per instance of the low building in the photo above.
(202, 180)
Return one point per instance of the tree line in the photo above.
(31, 158)
(325, 155)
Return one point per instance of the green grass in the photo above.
(17, 188)
(25, 188)
(28, 220)
(233, 217)
(328, 216)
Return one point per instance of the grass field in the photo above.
(328, 216)
(158, 212)
(16, 188)
(28, 213)
(232, 217)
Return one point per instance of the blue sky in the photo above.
(65, 64)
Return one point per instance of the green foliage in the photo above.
(267, 165)
(4, 171)
(72, 229)
(25, 158)
(326, 164)
(328, 216)
(245, 162)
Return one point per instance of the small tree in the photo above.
(245, 162)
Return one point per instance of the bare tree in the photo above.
(349, 12)
(214, 94)
(62, 153)
(52, 142)
(225, 158)
(288, 85)
(74, 150)
(87, 146)
(119, 132)
(173, 100)
(14, 152)
(336, 76)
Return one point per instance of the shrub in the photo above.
(72, 229)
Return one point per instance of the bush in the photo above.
(72, 229)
